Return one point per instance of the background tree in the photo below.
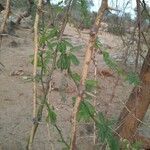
(139, 100)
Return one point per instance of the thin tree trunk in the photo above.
(36, 47)
(88, 55)
(137, 104)
(1, 7)
(7, 12)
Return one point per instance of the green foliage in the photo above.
(63, 62)
(80, 13)
(105, 133)
(85, 12)
(76, 48)
(98, 44)
(86, 111)
(136, 146)
(90, 85)
(66, 57)
(76, 78)
(52, 117)
(62, 47)
(125, 144)
(111, 63)
(131, 77)
(47, 35)
(74, 59)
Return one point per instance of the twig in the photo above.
(59, 130)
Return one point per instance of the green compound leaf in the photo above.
(74, 59)
(52, 33)
(63, 62)
(113, 142)
(52, 117)
(90, 85)
(98, 44)
(111, 63)
(105, 133)
(62, 47)
(76, 77)
(76, 48)
(103, 128)
(86, 110)
(68, 44)
(133, 78)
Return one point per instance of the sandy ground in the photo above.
(16, 94)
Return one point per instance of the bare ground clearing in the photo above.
(16, 93)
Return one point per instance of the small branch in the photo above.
(59, 130)
(88, 55)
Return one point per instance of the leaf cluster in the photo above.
(131, 77)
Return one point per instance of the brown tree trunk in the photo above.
(137, 104)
